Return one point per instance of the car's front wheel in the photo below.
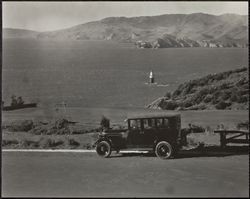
(164, 150)
(103, 149)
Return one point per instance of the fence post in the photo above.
(223, 139)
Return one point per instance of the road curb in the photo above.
(48, 150)
(63, 150)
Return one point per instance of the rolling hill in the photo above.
(19, 33)
(184, 30)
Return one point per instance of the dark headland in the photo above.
(227, 90)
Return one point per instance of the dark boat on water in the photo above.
(19, 106)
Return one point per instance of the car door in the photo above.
(135, 136)
(149, 132)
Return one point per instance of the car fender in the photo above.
(159, 139)
(102, 139)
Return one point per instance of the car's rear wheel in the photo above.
(164, 150)
(103, 149)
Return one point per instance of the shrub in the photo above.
(222, 105)
(61, 123)
(240, 70)
(9, 142)
(208, 98)
(216, 97)
(218, 76)
(50, 143)
(168, 95)
(21, 125)
(197, 129)
(197, 98)
(170, 105)
(244, 125)
(244, 92)
(234, 97)
(225, 95)
(73, 143)
(243, 99)
(188, 89)
(242, 81)
(87, 146)
(245, 86)
(29, 143)
(187, 104)
(225, 85)
(59, 127)
(204, 91)
(215, 100)
(212, 89)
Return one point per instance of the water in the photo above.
(104, 74)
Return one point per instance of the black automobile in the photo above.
(157, 132)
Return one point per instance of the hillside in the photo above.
(226, 90)
(19, 33)
(170, 30)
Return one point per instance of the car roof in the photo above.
(152, 115)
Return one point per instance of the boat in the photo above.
(19, 106)
(17, 103)
(151, 77)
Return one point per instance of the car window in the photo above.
(162, 122)
(148, 123)
(158, 122)
(135, 124)
(165, 122)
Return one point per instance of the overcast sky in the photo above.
(44, 16)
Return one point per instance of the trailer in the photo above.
(233, 136)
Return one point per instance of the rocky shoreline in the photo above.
(170, 41)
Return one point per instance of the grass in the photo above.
(26, 140)
(86, 135)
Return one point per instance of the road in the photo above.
(37, 174)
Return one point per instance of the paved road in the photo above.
(85, 174)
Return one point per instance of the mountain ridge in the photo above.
(228, 30)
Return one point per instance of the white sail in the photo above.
(151, 77)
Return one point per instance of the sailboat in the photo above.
(151, 79)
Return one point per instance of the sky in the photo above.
(48, 16)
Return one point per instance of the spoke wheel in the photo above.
(163, 150)
(103, 149)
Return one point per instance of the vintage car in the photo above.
(157, 132)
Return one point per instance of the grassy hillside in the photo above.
(226, 90)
